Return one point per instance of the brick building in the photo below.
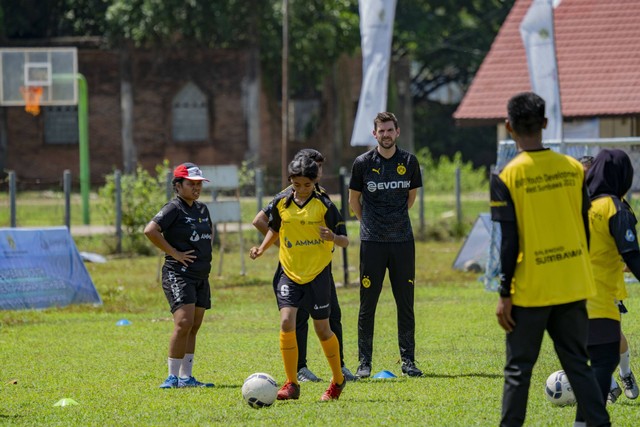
(202, 105)
(196, 104)
(598, 62)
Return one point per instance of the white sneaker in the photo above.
(304, 375)
(630, 386)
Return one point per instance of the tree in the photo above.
(27, 19)
(446, 41)
(320, 30)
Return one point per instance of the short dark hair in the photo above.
(385, 117)
(303, 166)
(526, 113)
(311, 153)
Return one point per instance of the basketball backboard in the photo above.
(52, 69)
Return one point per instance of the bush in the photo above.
(142, 197)
(439, 176)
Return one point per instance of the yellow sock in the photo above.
(289, 350)
(331, 349)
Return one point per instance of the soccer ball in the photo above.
(558, 390)
(259, 390)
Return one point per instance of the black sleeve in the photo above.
(356, 183)
(509, 249)
(274, 219)
(501, 204)
(416, 178)
(632, 259)
(267, 209)
(622, 227)
(334, 220)
(586, 204)
(503, 211)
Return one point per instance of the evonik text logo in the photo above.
(389, 185)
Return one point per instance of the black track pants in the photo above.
(375, 259)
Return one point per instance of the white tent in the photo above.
(474, 253)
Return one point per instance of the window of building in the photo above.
(61, 124)
(190, 115)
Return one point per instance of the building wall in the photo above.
(157, 76)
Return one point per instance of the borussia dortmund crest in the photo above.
(366, 282)
(401, 169)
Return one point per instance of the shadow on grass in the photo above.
(470, 375)
(432, 375)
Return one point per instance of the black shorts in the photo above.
(315, 296)
(181, 290)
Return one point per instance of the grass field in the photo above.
(113, 372)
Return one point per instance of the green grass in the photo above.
(113, 372)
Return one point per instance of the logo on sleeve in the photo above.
(629, 236)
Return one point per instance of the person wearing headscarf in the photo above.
(614, 243)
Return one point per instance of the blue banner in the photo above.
(40, 268)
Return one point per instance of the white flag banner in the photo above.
(376, 32)
(538, 37)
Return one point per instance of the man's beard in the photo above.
(386, 143)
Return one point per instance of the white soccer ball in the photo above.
(558, 390)
(259, 390)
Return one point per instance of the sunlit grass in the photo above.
(113, 371)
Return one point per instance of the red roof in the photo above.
(598, 50)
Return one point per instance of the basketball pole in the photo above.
(83, 140)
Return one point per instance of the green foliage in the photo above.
(440, 176)
(247, 178)
(447, 40)
(438, 131)
(142, 196)
(319, 32)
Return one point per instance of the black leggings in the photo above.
(604, 359)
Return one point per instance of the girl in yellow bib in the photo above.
(307, 225)
(614, 243)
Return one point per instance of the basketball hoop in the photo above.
(32, 96)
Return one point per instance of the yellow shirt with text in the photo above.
(303, 254)
(553, 264)
(606, 261)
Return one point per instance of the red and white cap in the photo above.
(189, 171)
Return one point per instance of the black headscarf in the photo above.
(611, 173)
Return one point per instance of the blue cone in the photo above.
(123, 322)
(384, 374)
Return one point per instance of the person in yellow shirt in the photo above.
(541, 203)
(612, 181)
(307, 226)
(614, 244)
